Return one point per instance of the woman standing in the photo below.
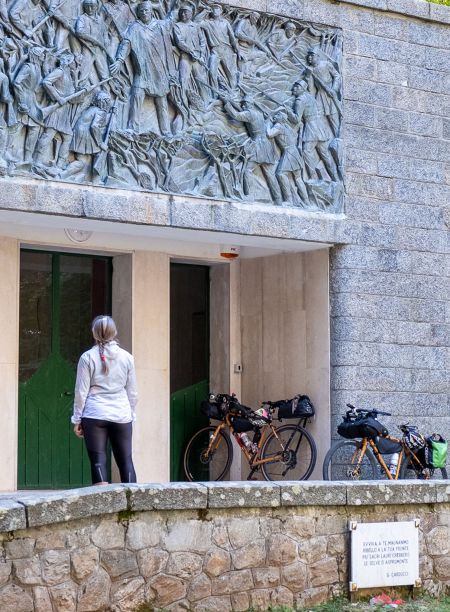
(105, 401)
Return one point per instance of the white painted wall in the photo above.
(285, 334)
(9, 360)
(150, 345)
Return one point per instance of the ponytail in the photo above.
(104, 330)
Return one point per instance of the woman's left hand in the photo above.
(78, 431)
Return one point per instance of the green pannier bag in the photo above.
(437, 449)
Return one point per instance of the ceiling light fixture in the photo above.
(76, 235)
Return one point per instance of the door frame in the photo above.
(55, 330)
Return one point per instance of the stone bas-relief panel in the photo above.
(193, 98)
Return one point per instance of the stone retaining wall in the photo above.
(218, 546)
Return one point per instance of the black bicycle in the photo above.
(287, 452)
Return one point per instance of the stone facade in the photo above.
(389, 269)
(204, 547)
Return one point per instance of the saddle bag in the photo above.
(298, 407)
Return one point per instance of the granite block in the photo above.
(49, 508)
(390, 493)
(170, 496)
(243, 494)
(12, 515)
(310, 493)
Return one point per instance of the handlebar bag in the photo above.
(212, 410)
(295, 408)
(363, 427)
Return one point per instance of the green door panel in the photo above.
(185, 420)
(50, 455)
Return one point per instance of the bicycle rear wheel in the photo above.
(298, 459)
(407, 471)
(202, 465)
(342, 462)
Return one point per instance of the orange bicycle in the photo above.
(361, 455)
(287, 452)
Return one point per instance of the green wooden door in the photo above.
(189, 357)
(59, 296)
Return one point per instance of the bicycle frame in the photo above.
(405, 453)
(254, 460)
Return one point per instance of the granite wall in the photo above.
(204, 547)
(390, 267)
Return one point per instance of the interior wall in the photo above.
(9, 359)
(225, 339)
(285, 334)
(219, 339)
(122, 313)
(151, 320)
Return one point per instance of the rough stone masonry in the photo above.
(204, 547)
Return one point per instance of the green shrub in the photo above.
(446, 2)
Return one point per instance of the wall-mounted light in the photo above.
(229, 252)
(76, 235)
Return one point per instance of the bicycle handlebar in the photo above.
(368, 411)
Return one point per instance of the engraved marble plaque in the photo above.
(384, 554)
(191, 98)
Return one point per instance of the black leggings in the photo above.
(96, 434)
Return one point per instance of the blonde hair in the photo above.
(104, 330)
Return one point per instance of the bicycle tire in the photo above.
(303, 464)
(435, 474)
(198, 469)
(339, 464)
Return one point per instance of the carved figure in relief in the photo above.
(291, 162)
(262, 152)
(27, 87)
(195, 86)
(324, 79)
(87, 140)
(26, 15)
(190, 40)
(282, 41)
(223, 47)
(7, 117)
(91, 29)
(313, 133)
(60, 87)
(148, 43)
(253, 52)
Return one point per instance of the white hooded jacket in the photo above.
(108, 397)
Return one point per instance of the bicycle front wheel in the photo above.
(207, 460)
(291, 452)
(344, 462)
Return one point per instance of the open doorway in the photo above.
(189, 356)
